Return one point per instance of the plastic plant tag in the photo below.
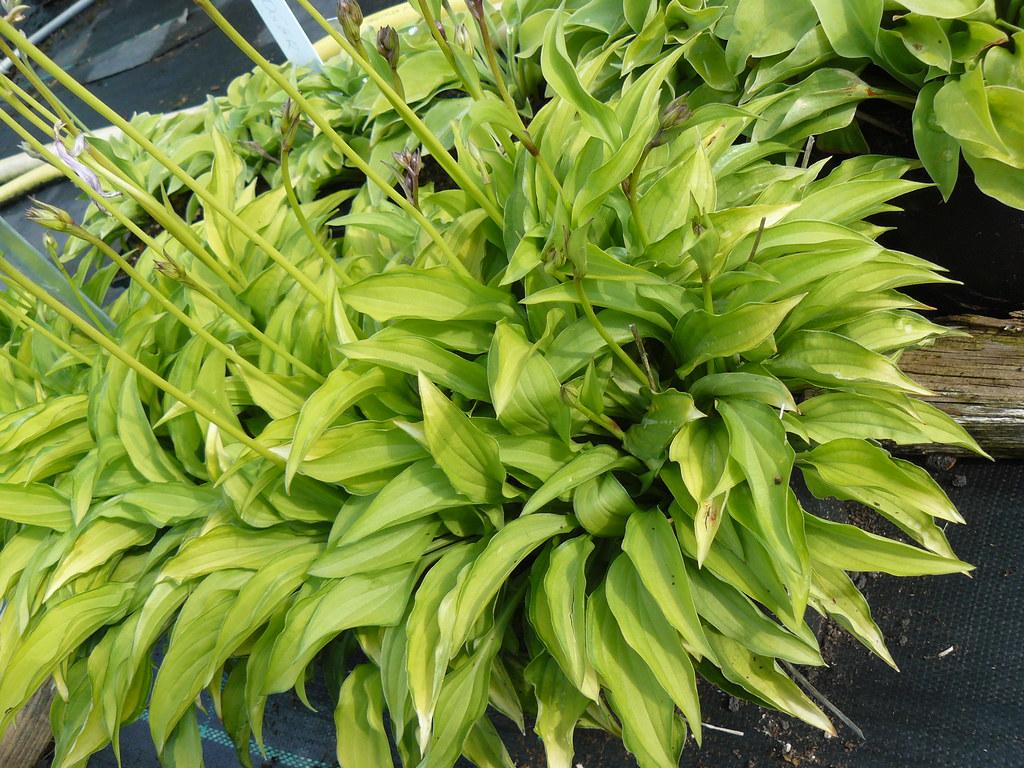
(288, 33)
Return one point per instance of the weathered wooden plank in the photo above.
(28, 738)
(979, 380)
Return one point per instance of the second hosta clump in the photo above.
(530, 443)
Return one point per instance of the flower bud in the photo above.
(388, 45)
(50, 216)
(476, 9)
(462, 38)
(350, 17)
(675, 113)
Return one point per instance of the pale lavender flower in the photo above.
(82, 171)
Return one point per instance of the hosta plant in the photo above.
(505, 417)
(955, 66)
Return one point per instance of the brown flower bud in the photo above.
(388, 45)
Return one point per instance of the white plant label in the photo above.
(288, 33)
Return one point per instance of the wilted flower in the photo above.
(290, 118)
(83, 172)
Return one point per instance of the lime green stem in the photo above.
(602, 421)
(619, 352)
(409, 117)
(177, 228)
(151, 243)
(24, 319)
(200, 191)
(343, 146)
(428, 18)
(114, 350)
(30, 74)
(293, 202)
(176, 312)
(20, 366)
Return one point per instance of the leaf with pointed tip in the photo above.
(648, 633)
(652, 546)
(650, 728)
(506, 549)
(467, 455)
(362, 741)
(559, 708)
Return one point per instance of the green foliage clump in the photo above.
(484, 379)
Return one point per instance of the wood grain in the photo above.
(979, 380)
(28, 739)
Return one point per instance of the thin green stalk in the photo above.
(37, 82)
(293, 201)
(175, 311)
(632, 197)
(200, 191)
(619, 352)
(251, 329)
(25, 370)
(210, 295)
(10, 96)
(343, 146)
(181, 231)
(24, 319)
(114, 350)
(409, 117)
(496, 72)
(445, 46)
(600, 420)
(29, 99)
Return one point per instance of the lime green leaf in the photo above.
(760, 676)
(851, 549)
(342, 389)
(852, 28)
(385, 549)
(506, 549)
(188, 665)
(828, 360)
(701, 336)
(761, 388)
(60, 630)
(359, 721)
(585, 466)
(652, 546)
(526, 394)
(833, 594)
(429, 633)
(559, 708)
(650, 729)
(647, 632)
(759, 446)
(184, 747)
(363, 600)
(564, 589)
(426, 294)
(602, 506)
(837, 415)
(735, 616)
(137, 435)
(415, 355)
(35, 504)
(560, 73)
(465, 454)
(668, 412)
(938, 151)
(101, 542)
